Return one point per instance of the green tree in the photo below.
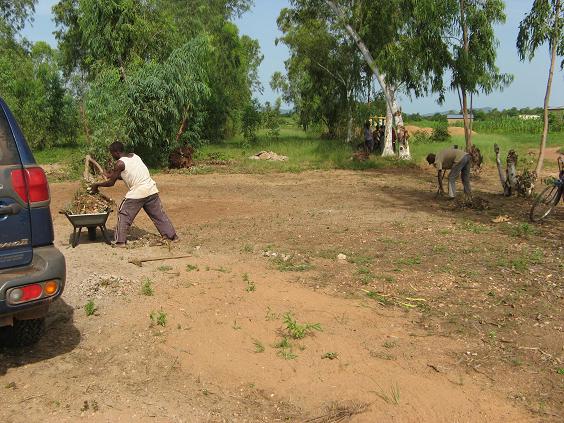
(473, 51)
(158, 108)
(14, 14)
(251, 121)
(324, 72)
(543, 25)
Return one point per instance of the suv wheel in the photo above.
(23, 334)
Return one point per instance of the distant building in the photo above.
(557, 110)
(529, 117)
(455, 119)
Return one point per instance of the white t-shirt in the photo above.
(137, 178)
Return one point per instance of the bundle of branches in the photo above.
(84, 201)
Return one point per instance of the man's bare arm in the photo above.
(112, 176)
(440, 177)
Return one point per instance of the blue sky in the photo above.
(527, 90)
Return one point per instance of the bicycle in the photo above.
(549, 198)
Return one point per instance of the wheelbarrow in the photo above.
(90, 222)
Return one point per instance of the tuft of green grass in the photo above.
(90, 308)
(291, 265)
(251, 287)
(165, 268)
(259, 347)
(147, 287)
(409, 261)
(360, 260)
(366, 276)
(192, 268)
(299, 331)
(522, 230)
(248, 248)
(285, 349)
(474, 228)
(158, 317)
(560, 371)
(379, 297)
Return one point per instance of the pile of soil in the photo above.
(181, 158)
(270, 156)
(97, 286)
(84, 202)
(452, 130)
(477, 203)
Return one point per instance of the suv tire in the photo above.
(24, 333)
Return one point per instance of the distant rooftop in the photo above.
(556, 108)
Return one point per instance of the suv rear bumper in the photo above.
(48, 263)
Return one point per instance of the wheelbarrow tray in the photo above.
(86, 220)
(91, 222)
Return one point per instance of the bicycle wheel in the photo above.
(545, 202)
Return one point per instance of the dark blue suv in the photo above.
(32, 270)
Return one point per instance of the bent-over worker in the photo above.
(142, 194)
(458, 162)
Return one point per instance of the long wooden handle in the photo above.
(160, 258)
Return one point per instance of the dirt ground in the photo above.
(437, 313)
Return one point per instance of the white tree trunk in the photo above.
(553, 53)
(388, 150)
(392, 103)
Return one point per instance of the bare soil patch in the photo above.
(437, 314)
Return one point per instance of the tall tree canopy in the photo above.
(543, 25)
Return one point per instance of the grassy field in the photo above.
(308, 151)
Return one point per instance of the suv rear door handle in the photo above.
(10, 210)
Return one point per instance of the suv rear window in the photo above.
(8, 150)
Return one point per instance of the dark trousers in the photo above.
(152, 205)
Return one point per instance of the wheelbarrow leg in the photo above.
(77, 239)
(105, 234)
(73, 239)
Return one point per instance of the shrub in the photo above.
(440, 133)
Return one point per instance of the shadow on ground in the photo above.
(60, 337)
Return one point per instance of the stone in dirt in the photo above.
(341, 257)
(270, 156)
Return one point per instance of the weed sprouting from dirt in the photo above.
(391, 397)
(192, 268)
(248, 248)
(259, 347)
(90, 308)
(251, 287)
(382, 299)
(409, 261)
(147, 287)
(365, 275)
(339, 412)
(285, 349)
(292, 264)
(474, 228)
(236, 326)
(330, 356)
(299, 331)
(270, 315)
(360, 260)
(158, 318)
(522, 230)
(164, 268)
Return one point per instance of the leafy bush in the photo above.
(440, 133)
(156, 109)
(251, 121)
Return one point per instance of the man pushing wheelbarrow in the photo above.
(142, 194)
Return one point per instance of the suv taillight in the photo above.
(32, 181)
